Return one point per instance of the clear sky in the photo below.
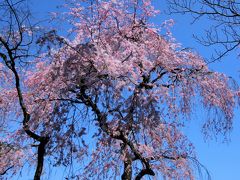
(221, 159)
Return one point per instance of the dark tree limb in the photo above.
(127, 174)
(144, 172)
(120, 135)
(41, 154)
(11, 53)
(5, 171)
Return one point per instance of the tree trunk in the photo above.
(127, 174)
(40, 162)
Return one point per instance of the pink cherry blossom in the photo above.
(114, 98)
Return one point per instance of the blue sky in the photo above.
(221, 159)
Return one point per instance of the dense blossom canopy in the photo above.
(113, 99)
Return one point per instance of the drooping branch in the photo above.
(120, 135)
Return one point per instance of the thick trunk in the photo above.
(40, 162)
(127, 174)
